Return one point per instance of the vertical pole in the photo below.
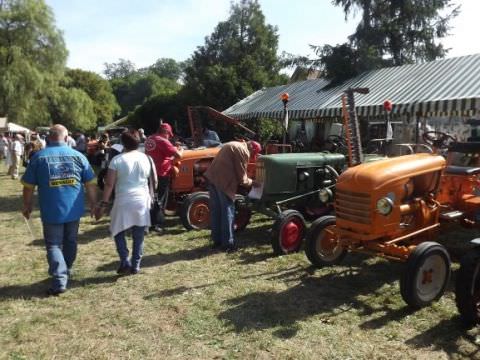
(285, 98)
(417, 129)
(284, 117)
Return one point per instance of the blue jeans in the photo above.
(138, 233)
(61, 244)
(222, 217)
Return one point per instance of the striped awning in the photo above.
(448, 87)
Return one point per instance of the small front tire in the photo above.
(195, 211)
(426, 275)
(288, 232)
(322, 246)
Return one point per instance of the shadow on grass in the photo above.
(100, 231)
(451, 336)
(11, 204)
(247, 257)
(38, 289)
(183, 289)
(249, 238)
(328, 295)
(398, 314)
(161, 259)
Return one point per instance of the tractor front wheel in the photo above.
(242, 217)
(426, 275)
(467, 289)
(288, 232)
(195, 212)
(322, 246)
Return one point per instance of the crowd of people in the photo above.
(18, 148)
(139, 181)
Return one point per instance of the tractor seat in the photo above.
(462, 170)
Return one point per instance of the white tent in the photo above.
(14, 128)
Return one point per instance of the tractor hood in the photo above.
(294, 160)
(279, 172)
(370, 176)
(200, 153)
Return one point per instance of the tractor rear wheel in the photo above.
(195, 211)
(426, 276)
(322, 246)
(288, 232)
(467, 289)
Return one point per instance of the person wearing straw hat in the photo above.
(60, 174)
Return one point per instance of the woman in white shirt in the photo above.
(129, 174)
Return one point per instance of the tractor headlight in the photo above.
(304, 175)
(325, 195)
(385, 206)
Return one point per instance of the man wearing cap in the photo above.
(228, 171)
(162, 152)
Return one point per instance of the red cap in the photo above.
(256, 148)
(167, 128)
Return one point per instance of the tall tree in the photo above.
(32, 57)
(239, 57)
(133, 87)
(401, 31)
(389, 33)
(167, 68)
(105, 105)
(71, 107)
(119, 70)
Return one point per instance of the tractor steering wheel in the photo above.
(336, 140)
(438, 139)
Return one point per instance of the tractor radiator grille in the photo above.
(353, 206)
(260, 172)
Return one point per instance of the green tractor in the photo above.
(295, 186)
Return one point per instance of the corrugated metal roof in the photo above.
(442, 87)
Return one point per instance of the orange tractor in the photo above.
(394, 207)
(188, 196)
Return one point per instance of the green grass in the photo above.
(189, 302)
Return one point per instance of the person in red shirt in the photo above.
(159, 147)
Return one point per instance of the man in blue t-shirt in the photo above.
(59, 172)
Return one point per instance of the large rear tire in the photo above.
(322, 246)
(195, 211)
(288, 232)
(426, 275)
(467, 289)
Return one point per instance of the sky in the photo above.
(142, 31)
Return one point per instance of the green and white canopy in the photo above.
(448, 87)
